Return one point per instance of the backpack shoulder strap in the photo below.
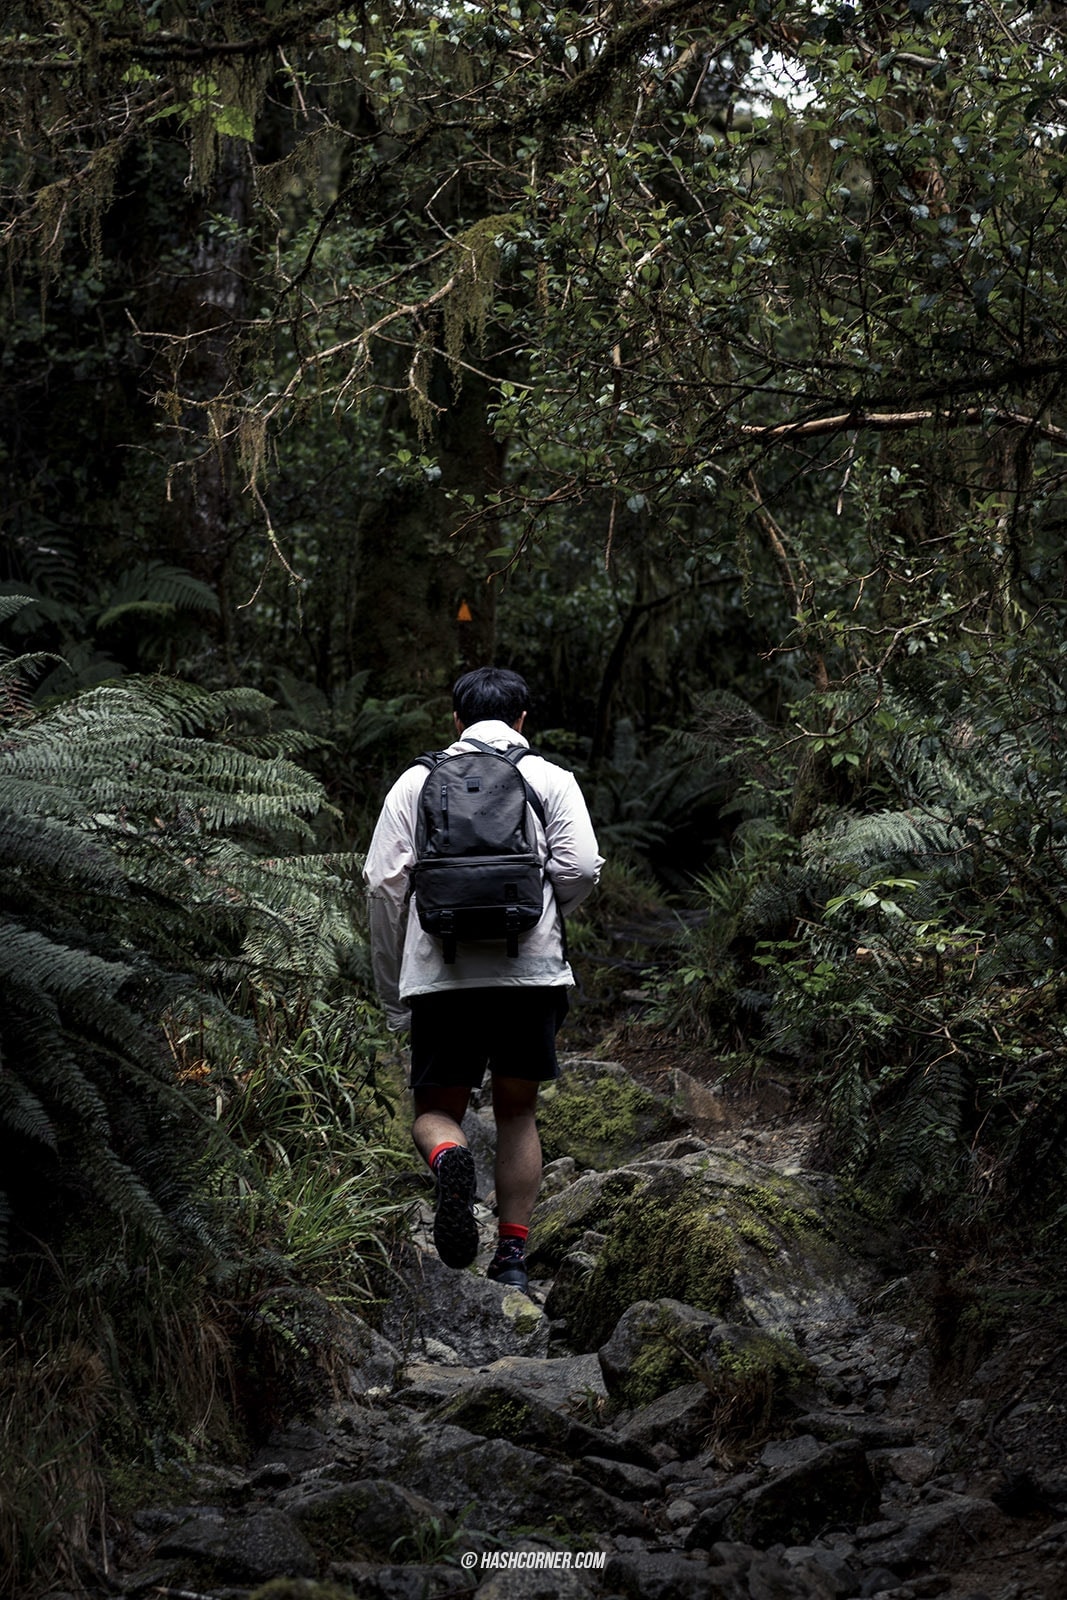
(429, 759)
(514, 753)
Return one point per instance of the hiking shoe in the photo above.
(455, 1231)
(510, 1273)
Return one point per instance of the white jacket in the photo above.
(407, 960)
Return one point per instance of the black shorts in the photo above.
(457, 1033)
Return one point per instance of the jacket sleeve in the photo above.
(574, 861)
(386, 875)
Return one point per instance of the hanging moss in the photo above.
(475, 263)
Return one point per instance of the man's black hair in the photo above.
(490, 693)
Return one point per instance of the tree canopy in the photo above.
(783, 290)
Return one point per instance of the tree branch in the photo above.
(896, 422)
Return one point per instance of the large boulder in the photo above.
(833, 1487)
(726, 1235)
(747, 1373)
(600, 1116)
(366, 1517)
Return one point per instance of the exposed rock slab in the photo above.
(499, 1409)
(471, 1319)
(567, 1383)
(243, 1548)
(832, 1487)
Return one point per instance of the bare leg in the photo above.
(518, 1149)
(438, 1115)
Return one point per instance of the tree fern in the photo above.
(358, 740)
(99, 630)
(147, 864)
(152, 589)
(642, 800)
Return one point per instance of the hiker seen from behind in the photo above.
(479, 853)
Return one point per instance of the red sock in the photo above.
(438, 1151)
(511, 1244)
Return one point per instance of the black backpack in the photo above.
(477, 874)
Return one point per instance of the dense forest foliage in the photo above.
(709, 369)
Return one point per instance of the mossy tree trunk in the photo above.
(425, 602)
(208, 296)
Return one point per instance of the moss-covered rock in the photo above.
(365, 1518)
(751, 1376)
(598, 1114)
(500, 1488)
(501, 1410)
(707, 1228)
(671, 1243)
(739, 1381)
(656, 1346)
(561, 1222)
(299, 1589)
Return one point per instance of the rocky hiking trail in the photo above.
(713, 1389)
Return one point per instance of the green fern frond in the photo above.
(884, 839)
(775, 901)
(153, 587)
(306, 701)
(53, 848)
(157, 859)
(76, 1106)
(22, 1112)
(724, 728)
(188, 709)
(33, 959)
(54, 563)
(849, 1107)
(921, 1142)
(11, 604)
(123, 1191)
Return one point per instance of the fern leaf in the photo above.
(23, 1113)
(156, 587)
